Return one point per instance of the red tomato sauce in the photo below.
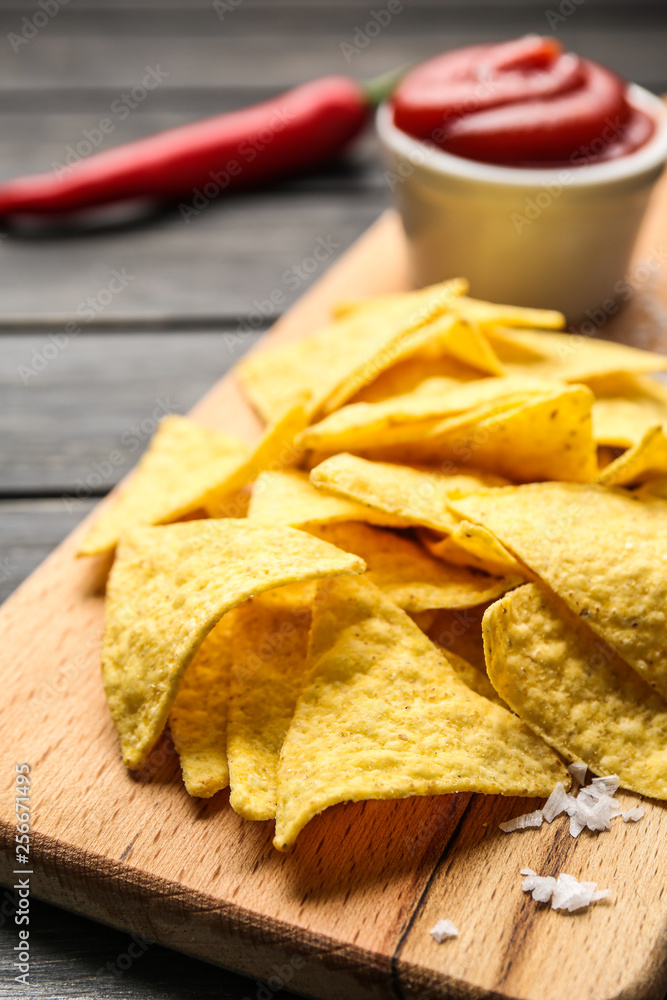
(523, 103)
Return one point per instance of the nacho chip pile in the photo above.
(443, 568)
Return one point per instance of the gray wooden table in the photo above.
(181, 318)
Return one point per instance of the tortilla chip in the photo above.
(654, 488)
(548, 437)
(269, 650)
(451, 335)
(472, 545)
(404, 418)
(338, 360)
(168, 588)
(290, 498)
(622, 423)
(198, 718)
(601, 550)
(417, 496)
(182, 463)
(408, 575)
(574, 691)
(647, 460)
(276, 449)
(571, 357)
(384, 716)
(494, 313)
(406, 376)
(474, 678)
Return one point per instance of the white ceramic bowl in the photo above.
(555, 238)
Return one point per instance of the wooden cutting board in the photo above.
(348, 913)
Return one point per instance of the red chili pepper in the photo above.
(298, 130)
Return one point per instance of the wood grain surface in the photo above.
(349, 910)
(168, 333)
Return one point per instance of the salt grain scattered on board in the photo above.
(443, 929)
(523, 821)
(594, 806)
(565, 892)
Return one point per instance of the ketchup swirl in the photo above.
(520, 103)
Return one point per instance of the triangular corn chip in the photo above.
(182, 463)
(492, 313)
(603, 551)
(167, 589)
(290, 498)
(417, 496)
(198, 718)
(574, 691)
(474, 678)
(368, 425)
(408, 575)
(384, 716)
(571, 357)
(408, 375)
(472, 545)
(646, 460)
(547, 437)
(276, 449)
(621, 423)
(270, 646)
(337, 361)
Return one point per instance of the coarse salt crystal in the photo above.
(558, 802)
(611, 783)
(565, 892)
(522, 822)
(633, 815)
(443, 929)
(578, 772)
(570, 894)
(541, 886)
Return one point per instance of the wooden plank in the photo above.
(29, 531)
(278, 46)
(123, 383)
(216, 267)
(139, 854)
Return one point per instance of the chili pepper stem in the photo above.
(379, 88)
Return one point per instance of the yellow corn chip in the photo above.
(603, 551)
(183, 461)
(408, 575)
(198, 718)
(417, 496)
(270, 645)
(290, 498)
(477, 680)
(406, 376)
(622, 423)
(168, 588)
(473, 545)
(335, 362)
(275, 450)
(451, 335)
(548, 437)
(574, 691)
(571, 357)
(492, 313)
(384, 716)
(654, 488)
(367, 425)
(646, 461)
